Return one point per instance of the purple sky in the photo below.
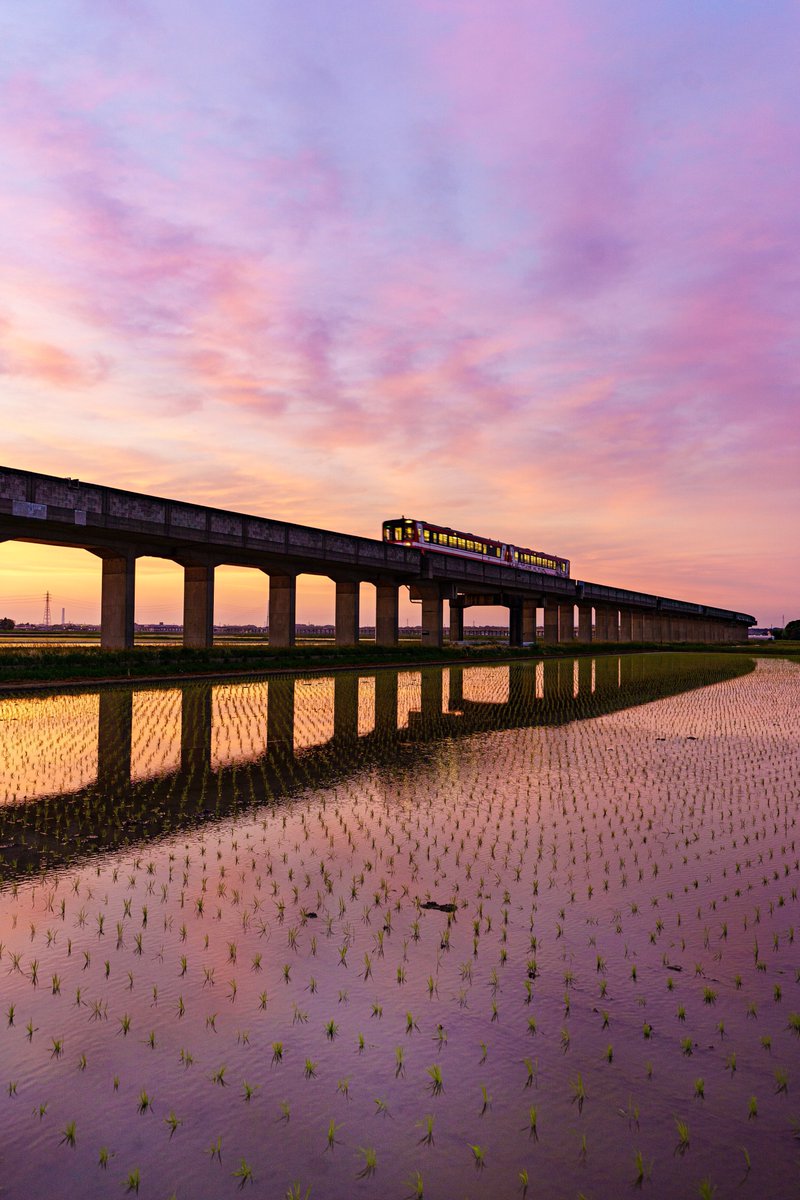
(527, 269)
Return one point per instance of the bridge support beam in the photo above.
(198, 607)
(550, 622)
(625, 625)
(585, 623)
(282, 609)
(386, 613)
(347, 610)
(431, 614)
(528, 622)
(456, 622)
(117, 602)
(515, 623)
(566, 622)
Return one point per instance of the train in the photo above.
(421, 535)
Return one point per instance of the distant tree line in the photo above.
(7, 623)
(791, 632)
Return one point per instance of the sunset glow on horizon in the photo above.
(524, 269)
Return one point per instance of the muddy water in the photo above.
(217, 937)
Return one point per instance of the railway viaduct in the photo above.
(121, 526)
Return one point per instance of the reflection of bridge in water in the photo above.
(117, 808)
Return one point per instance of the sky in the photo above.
(529, 269)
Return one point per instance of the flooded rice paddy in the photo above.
(477, 932)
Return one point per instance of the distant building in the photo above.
(760, 635)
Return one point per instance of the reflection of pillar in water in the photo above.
(431, 692)
(607, 673)
(345, 706)
(521, 688)
(625, 670)
(550, 679)
(114, 733)
(584, 676)
(386, 684)
(196, 709)
(455, 698)
(280, 716)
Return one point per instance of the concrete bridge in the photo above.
(120, 526)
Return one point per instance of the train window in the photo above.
(427, 535)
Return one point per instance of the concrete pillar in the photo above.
(196, 727)
(282, 605)
(117, 602)
(431, 615)
(550, 622)
(280, 717)
(386, 610)
(345, 706)
(585, 623)
(515, 623)
(601, 623)
(455, 699)
(386, 683)
(456, 622)
(528, 622)
(198, 607)
(114, 737)
(647, 626)
(566, 622)
(347, 608)
(612, 625)
(625, 625)
(637, 625)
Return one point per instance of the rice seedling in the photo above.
(683, 1136)
(133, 1181)
(643, 1170)
(244, 1173)
(370, 1162)
(478, 1156)
(333, 1128)
(68, 1134)
(436, 1086)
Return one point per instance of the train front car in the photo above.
(405, 531)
